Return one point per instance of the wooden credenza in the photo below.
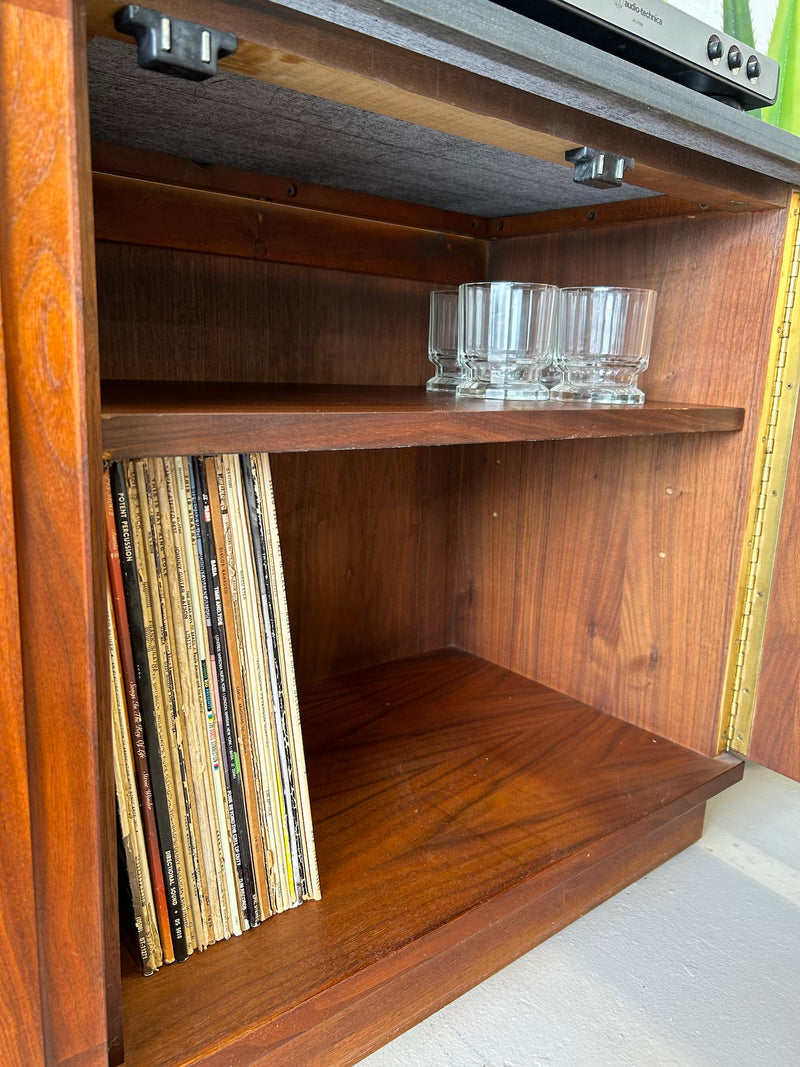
(519, 631)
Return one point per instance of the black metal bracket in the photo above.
(603, 170)
(173, 46)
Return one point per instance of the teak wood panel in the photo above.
(368, 1022)
(297, 51)
(775, 738)
(116, 198)
(608, 569)
(20, 1013)
(716, 277)
(581, 564)
(46, 276)
(165, 418)
(188, 316)
(595, 216)
(111, 159)
(153, 213)
(368, 545)
(454, 812)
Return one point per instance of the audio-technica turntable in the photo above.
(664, 39)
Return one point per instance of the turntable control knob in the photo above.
(753, 69)
(734, 59)
(714, 48)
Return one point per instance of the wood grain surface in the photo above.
(111, 159)
(20, 1010)
(454, 815)
(369, 545)
(207, 314)
(135, 211)
(650, 208)
(775, 739)
(151, 419)
(462, 812)
(53, 394)
(180, 315)
(368, 1021)
(608, 569)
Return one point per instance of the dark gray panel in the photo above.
(241, 122)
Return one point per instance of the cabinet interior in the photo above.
(593, 560)
(591, 565)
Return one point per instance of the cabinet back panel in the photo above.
(368, 543)
(608, 569)
(189, 316)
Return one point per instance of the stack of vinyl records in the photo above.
(214, 818)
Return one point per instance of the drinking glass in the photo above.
(506, 332)
(443, 341)
(604, 343)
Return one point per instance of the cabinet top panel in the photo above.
(465, 107)
(253, 126)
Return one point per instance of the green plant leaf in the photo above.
(784, 46)
(737, 22)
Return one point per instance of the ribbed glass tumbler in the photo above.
(604, 343)
(506, 332)
(443, 341)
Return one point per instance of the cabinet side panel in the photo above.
(175, 315)
(716, 278)
(580, 565)
(46, 272)
(20, 1015)
(608, 569)
(762, 663)
(368, 542)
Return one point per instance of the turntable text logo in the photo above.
(642, 12)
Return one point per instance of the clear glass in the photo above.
(604, 344)
(443, 341)
(506, 332)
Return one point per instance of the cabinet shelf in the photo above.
(458, 823)
(153, 418)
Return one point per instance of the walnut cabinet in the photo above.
(521, 633)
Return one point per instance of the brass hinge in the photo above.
(769, 480)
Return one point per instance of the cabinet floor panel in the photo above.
(173, 418)
(462, 814)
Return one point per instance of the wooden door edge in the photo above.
(775, 435)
